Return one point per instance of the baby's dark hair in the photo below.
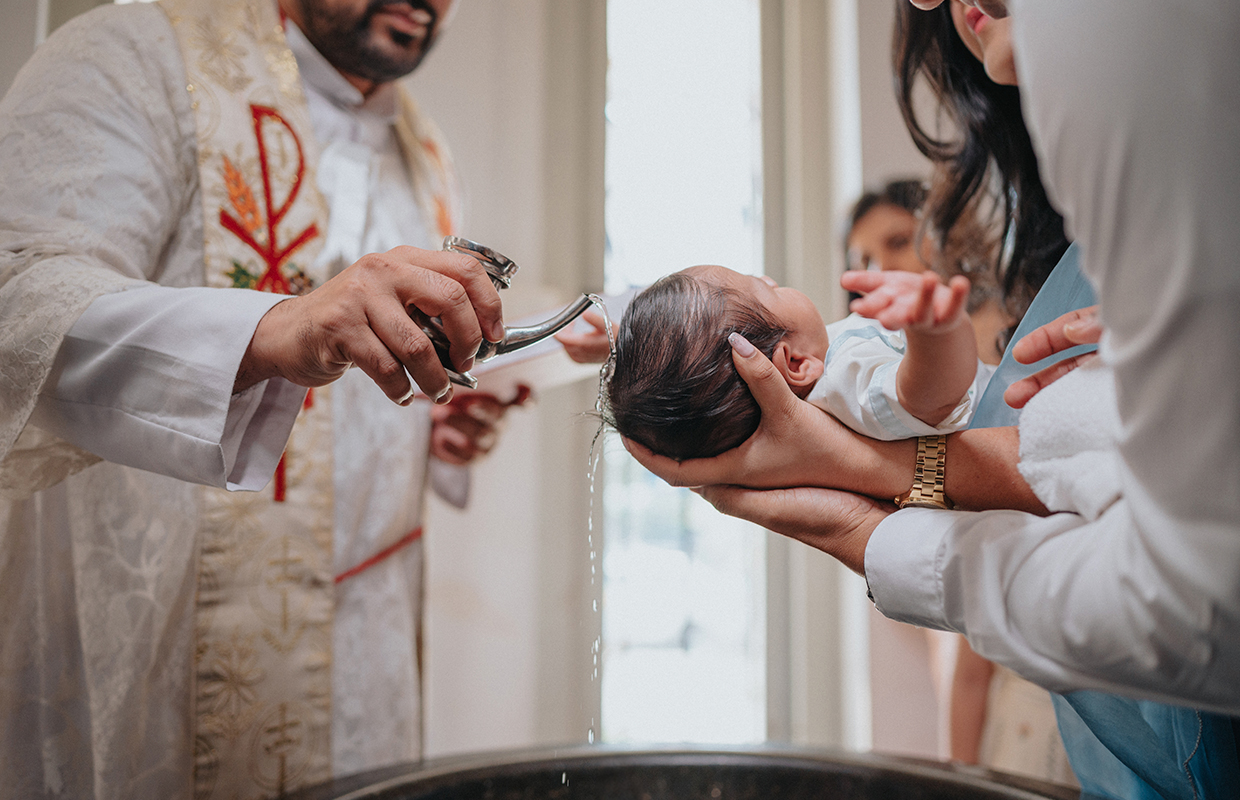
(674, 388)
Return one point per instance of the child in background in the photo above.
(674, 389)
(884, 233)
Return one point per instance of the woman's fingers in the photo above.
(794, 441)
(1022, 391)
(693, 472)
(838, 523)
(1076, 327)
(765, 382)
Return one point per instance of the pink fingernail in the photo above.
(741, 345)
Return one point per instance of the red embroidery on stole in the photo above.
(252, 219)
(273, 256)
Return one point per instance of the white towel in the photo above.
(1069, 434)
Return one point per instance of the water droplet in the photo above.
(590, 736)
(596, 606)
(564, 778)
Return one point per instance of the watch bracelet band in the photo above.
(928, 475)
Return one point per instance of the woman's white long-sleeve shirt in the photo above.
(1134, 107)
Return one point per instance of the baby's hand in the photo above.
(909, 300)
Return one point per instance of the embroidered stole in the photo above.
(265, 599)
(265, 596)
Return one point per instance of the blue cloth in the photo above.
(1065, 290)
(1142, 750)
(1118, 747)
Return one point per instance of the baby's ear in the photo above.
(801, 370)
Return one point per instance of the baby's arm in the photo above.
(941, 361)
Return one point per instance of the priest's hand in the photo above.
(588, 347)
(361, 317)
(468, 427)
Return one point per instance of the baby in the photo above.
(675, 390)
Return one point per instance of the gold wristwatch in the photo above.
(927, 491)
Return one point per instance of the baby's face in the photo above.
(793, 309)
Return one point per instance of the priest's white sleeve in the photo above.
(145, 379)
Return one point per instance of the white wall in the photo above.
(17, 38)
(887, 151)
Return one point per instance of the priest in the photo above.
(210, 567)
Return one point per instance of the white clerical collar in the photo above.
(318, 72)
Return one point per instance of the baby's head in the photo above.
(674, 388)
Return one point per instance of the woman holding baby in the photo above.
(1097, 546)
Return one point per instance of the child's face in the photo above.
(796, 312)
(885, 238)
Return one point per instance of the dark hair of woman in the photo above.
(906, 193)
(991, 158)
(673, 386)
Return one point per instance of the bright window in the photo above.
(683, 654)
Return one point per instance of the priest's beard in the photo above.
(347, 40)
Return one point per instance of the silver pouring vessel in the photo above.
(501, 269)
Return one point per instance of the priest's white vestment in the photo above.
(157, 639)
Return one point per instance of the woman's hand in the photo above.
(799, 445)
(1076, 327)
(796, 444)
(837, 523)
